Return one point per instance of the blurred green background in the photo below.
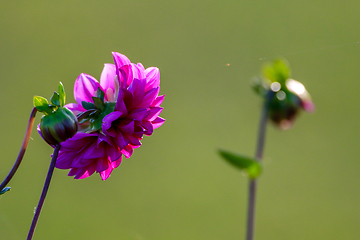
(175, 186)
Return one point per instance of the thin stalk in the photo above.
(44, 192)
(22, 150)
(258, 155)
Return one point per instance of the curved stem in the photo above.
(44, 192)
(258, 155)
(22, 149)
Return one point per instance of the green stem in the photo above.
(22, 150)
(258, 155)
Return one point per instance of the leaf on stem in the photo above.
(249, 164)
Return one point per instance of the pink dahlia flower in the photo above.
(118, 112)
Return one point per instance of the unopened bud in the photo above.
(58, 126)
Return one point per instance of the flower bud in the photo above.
(58, 126)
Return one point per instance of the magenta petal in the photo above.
(148, 128)
(154, 112)
(158, 122)
(120, 140)
(133, 140)
(127, 128)
(157, 102)
(125, 74)
(85, 172)
(138, 114)
(85, 87)
(113, 153)
(105, 174)
(75, 108)
(95, 151)
(149, 97)
(127, 151)
(138, 72)
(137, 88)
(116, 163)
(152, 78)
(107, 122)
(120, 60)
(120, 103)
(102, 164)
(107, 81)
(64, 160)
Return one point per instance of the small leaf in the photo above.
(42, 105)
(88, 105)
(249, 164)
(62, 95)
(55, 99)
(4, 190)
(98, 103)
(100, 94)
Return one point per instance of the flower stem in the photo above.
(44, 192)
(22, 149)
(258, 155)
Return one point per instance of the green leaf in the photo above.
(42, 105)
(4, 190)
(98, 103)
(88, 105)
(100, 94)
(249, 164)
(55, 99)
(62, 95)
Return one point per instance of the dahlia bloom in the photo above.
(116, 113)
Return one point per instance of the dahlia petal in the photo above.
(72, 172)
(149, 97)
(102, 164)
(120, 140)
(133, 140)
(137, 88)
(116, 163)
(127, 127)
(158, 122)
(125, 76)
(80, 162)
(113, 153)
(127, 151)
(148, 128)
(138, 72)
(64, 160)
(120, 103)
(107, 122)
(154, 112)
(85, 172)
(138, 114)
(152, 78)
(95, 151)
(85, 87)
(107, 81)
(139, 65)
(75, 108)
(120, 60)
(157, 102)
(105, 174)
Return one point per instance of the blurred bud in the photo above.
(289, 96)
(58, 123)
(58, 126)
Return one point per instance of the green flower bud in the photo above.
(58, 126)
(58, 123)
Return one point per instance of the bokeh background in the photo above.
(176, 186)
